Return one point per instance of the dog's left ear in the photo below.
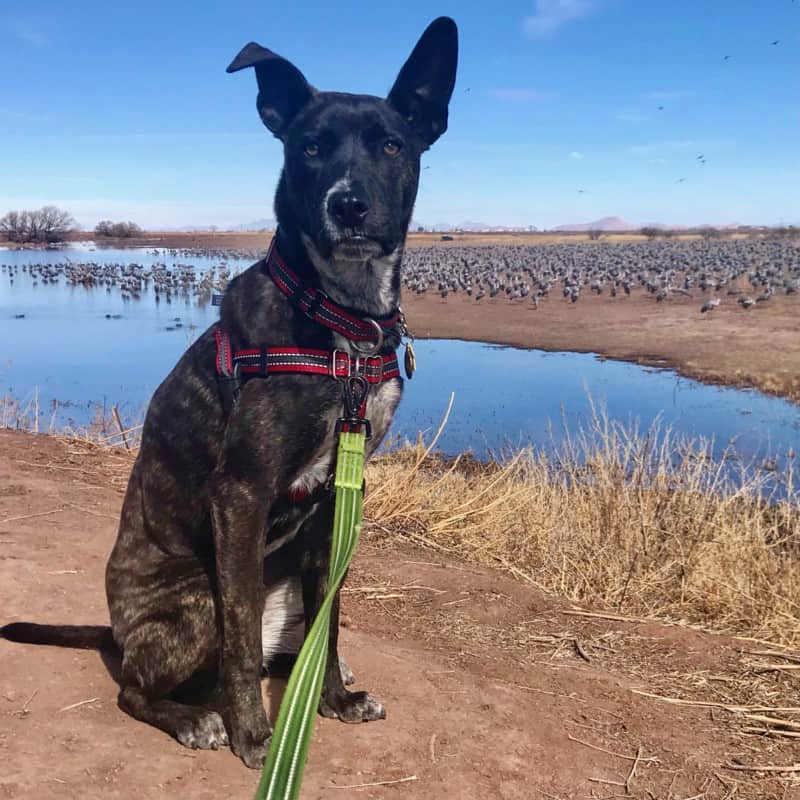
(282, 88)
(425, 83)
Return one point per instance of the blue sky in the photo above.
(125, 110)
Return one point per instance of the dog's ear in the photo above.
(425, 83)
(282, 88)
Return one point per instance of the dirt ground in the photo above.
(493, 689)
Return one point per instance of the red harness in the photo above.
(357, 373)
(263, 361)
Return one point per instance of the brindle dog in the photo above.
(188, 582)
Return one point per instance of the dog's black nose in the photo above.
(348, 208)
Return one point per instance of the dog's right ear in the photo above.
(282, 88)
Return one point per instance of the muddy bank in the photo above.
(732, 346)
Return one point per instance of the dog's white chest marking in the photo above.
(315, 475)
(381, 403)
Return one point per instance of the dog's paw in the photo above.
(252, 749)
(206, 731)
(351, 707)
(348, 678)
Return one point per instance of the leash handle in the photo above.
(288, 752)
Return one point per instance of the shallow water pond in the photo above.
(76, 347)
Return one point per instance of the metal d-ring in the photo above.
(374, 346)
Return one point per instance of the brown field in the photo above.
(495, 687)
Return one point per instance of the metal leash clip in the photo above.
(354, 393)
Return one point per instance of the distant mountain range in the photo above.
(476, 227)
(617, 224)
(606, 224)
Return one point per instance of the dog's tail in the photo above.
(86, 637)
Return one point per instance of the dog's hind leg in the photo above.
(160, 654)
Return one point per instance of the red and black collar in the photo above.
(316, 305)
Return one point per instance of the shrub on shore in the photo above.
(117, 230)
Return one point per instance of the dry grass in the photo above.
(641, 523)
(105, 427)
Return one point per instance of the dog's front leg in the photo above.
(336, 701)
(239, 509)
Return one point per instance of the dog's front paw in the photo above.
(206, 731)
(251, 748)
(351, 707)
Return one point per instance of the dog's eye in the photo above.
(311, 149)
(391, 147)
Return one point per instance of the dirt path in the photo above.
(487, 691)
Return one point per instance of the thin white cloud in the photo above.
(517, 95)
(550, 15)
(577, 156)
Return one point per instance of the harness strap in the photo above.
(267, 361)
(316, 305)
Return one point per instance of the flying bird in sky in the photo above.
(680, 180)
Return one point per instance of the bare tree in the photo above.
(54, 224)
(48, 224)
(594, 235)
(13, 226)
(117, 230)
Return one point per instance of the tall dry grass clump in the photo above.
(642, 523)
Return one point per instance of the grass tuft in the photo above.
(639, 523)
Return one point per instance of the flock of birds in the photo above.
(747, 272)
(132, 280)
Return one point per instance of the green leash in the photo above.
(288, 751)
